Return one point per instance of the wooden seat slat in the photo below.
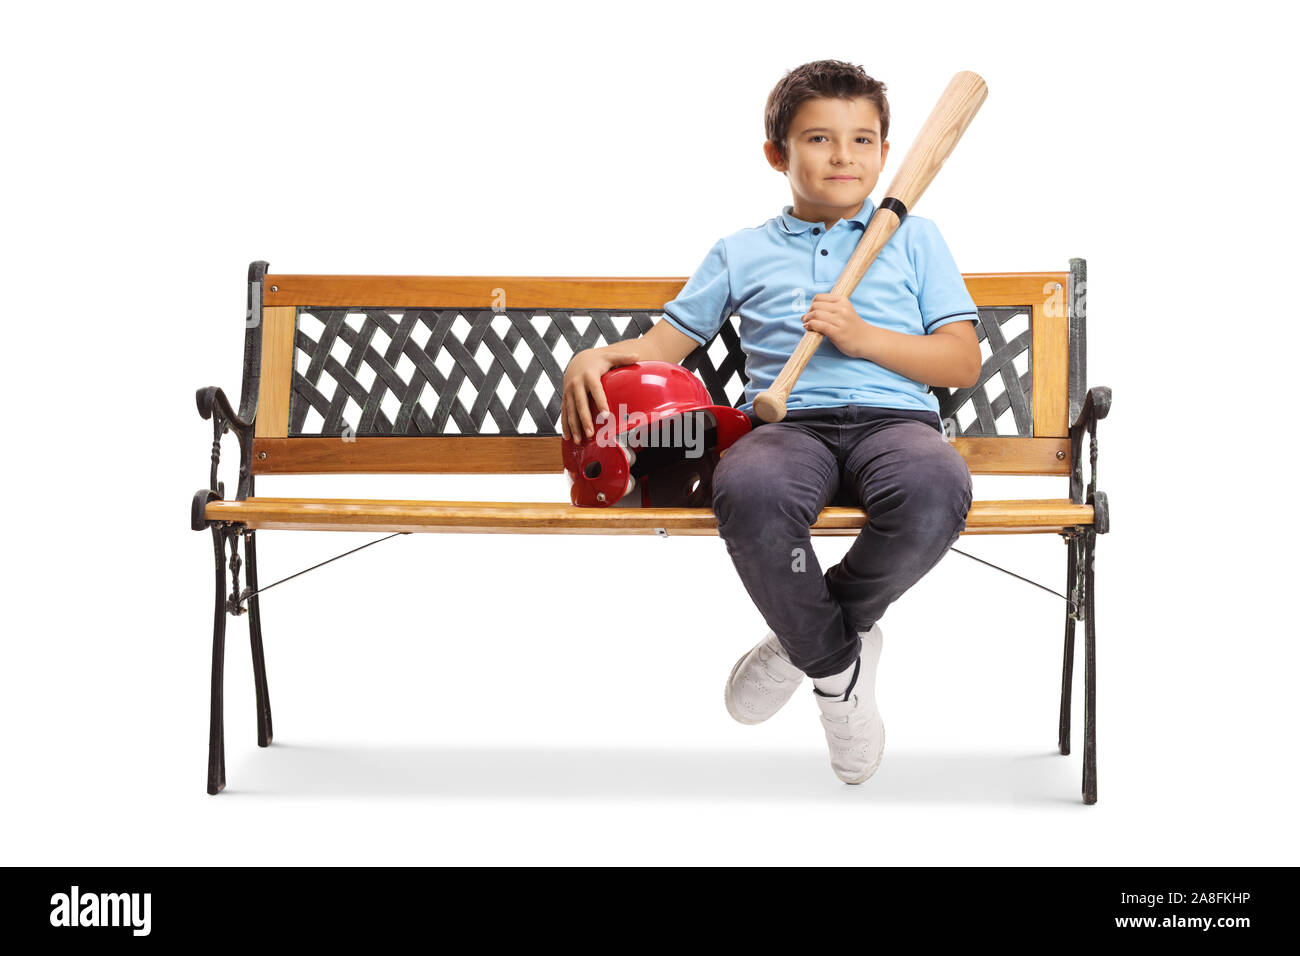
(528, 517)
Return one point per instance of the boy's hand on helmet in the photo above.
(582, 378)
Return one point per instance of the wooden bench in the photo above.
(463, 375)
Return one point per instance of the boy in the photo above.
(861, 427)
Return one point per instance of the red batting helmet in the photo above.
(663, 431)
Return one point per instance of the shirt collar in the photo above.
(795, 226)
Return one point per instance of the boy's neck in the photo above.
(828, 216)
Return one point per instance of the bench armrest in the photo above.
(1096, 406)
(213, 400)
(213, 404)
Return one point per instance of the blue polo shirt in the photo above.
(769, 275)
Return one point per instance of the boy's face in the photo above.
(835, 157)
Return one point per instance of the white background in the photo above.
(493, 699)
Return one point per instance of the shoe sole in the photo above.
(866, 774)
(727, 700)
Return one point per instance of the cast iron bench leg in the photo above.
(255, 638)
(1089, 674)
(1067, 667)
(216, 729)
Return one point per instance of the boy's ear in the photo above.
(773, 155)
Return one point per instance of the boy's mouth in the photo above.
(843, 179)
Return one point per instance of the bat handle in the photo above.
(769, 405)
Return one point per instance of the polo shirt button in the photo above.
(817, 232)
(823, 252)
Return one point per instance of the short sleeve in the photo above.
(705, 301)
(942, 291)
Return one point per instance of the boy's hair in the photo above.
(820, 78)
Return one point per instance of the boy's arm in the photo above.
(706, 296)
(701, 307)
(949, 356)
(663, 343)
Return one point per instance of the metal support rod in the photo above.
(250, 592)
(1073, 607)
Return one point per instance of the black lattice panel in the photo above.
(720, 365)
(1001, 402)
(451, 372)
(370, 372)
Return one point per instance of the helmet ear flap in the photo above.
(598, 474)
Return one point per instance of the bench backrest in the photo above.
(463, 374)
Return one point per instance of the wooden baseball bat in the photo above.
(934, 144)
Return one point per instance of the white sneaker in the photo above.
(854, 731)
(761, 682)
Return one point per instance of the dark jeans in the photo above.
(770, 486)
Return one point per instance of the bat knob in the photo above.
(769, 407)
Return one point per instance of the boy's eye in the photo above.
(861, 139)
